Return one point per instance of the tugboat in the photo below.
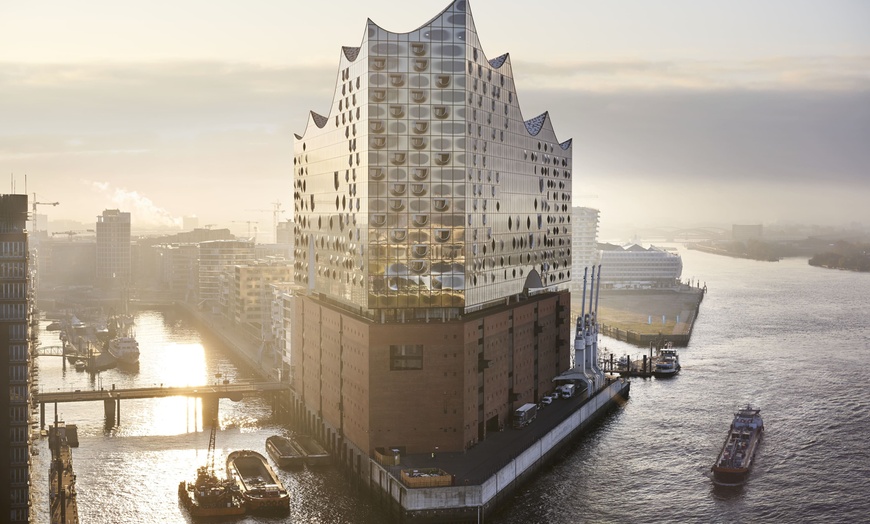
(668, 364)
(260, 487)
(734, 461)
(285, 452)
(209, 496)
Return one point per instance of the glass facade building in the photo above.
(424, 191)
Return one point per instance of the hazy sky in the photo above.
(680, 111)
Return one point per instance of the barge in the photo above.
(260, 487)
(285, 452)
(735, 459)
(315, 454)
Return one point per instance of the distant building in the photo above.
(283, 304)
(67, 262)
(114, 269)
(584, 243)
(214, 257)
(633, 266)
(15, 362)
(284, 234)
(747, 232)
(250, 294)
(433, 246)
(179, 270)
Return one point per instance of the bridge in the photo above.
(112, 397)
(51, 351)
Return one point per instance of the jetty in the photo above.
(63, 506)
(642, 366)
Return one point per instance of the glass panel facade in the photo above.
(424, 188)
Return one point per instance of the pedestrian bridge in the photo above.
(112, 397)
(233, 391)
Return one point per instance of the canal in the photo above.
(130, 473)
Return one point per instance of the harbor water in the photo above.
(789, 338)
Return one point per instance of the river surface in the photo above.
(792, 339)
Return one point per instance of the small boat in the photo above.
(734, 461)
(260, 487)
(285, 452)
(125, 350)
(80, 365)
(315, 454)
(668, 364)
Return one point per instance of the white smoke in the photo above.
(144, 214)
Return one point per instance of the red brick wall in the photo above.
(418, 409)
(346, 364)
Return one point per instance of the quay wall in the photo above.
(679, 337)
(469, 503)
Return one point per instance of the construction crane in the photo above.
(70, 234)
(249, 222)
(35, 203)
(276, 215)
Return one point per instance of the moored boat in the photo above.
(285, 452)
(260, 487)
(735, 460)
(315, 454)
(668, 364)
(125, 350)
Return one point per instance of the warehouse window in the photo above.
(407, 356)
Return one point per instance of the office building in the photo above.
(432, 246)
(15, 362)
(214, 257)
(114, 269)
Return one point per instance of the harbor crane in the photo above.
(35, 203)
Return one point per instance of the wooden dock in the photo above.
(63, 505)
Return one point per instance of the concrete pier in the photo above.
(488, 474)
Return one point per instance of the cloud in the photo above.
(214, 139)
(829, 73)
(161, 97)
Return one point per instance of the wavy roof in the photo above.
(351, 54)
